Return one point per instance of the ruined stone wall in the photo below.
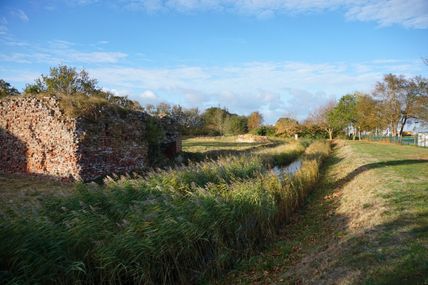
(112, 143)
(35, 137)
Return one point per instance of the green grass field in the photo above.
(367, 223)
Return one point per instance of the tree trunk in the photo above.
(393, 129)
(403, 123)
(330, 134)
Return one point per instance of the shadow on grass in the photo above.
(366, 167)
(389, 253)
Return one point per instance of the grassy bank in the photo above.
(365, 224)
(175, 226)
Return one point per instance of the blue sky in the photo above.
(280, 57)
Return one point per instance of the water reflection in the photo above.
(291, 169)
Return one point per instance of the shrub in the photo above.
(264, 131)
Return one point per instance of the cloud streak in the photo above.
(57, 51)
(20, 15)
(411, 13)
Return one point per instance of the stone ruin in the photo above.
(37, 137)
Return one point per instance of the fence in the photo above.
(420, 139)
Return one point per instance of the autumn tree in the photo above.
(7, 90)
(413, 101)
(286, 127)
(402, 99)
(389, 92)
(322, 118)
(254, 120)
(367, 114)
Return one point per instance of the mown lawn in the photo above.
(366, 223)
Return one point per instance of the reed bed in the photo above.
(173, 226)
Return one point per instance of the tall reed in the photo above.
(174, 226)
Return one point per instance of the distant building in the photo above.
(422, 139)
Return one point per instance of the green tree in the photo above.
(235, 125)
(214, 119)
(76, 87)
(66, 81)
(189, 121)
(344, 113)
(7, 90)
(335, 120)
(265, 130)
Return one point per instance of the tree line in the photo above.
(394, 102)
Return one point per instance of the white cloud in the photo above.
(20, 14)
(272, 87)
(149, 95)
(410, 13)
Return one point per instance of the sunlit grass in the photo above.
(206, 144)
